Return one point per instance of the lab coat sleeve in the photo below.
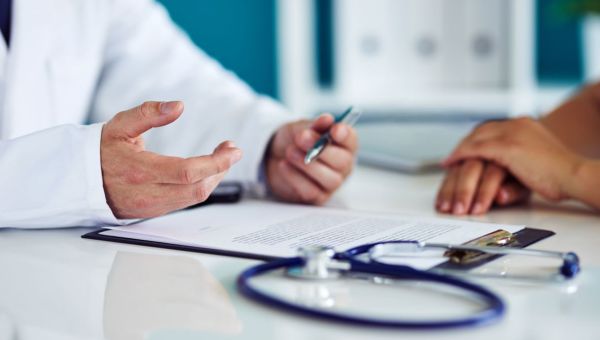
(53, 178)
(148, 58)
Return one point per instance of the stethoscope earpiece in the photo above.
(570, 266)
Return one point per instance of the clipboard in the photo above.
(525, 237)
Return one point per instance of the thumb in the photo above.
(134, 122)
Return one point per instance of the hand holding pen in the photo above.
(288, 176)
(348, 117)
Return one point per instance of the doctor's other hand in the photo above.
(142, 184)
(501, 161)
(290, 179)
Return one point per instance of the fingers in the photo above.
(446, 193)
(487, 130)
(158, 199)
(305, 139)
(482, 142)
(201, 190)
(337, 158)
(486, 181)
(491, 150)
(287, 175)
(322, 123)
(194, 169)
(492, 179)
(333, 165)
(326, 177)
(343, 136)
(466, 186)
(304, 189)
(132, 123)
(512, 192)
(167, 183)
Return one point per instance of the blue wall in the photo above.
(240, 34)
(559, 56)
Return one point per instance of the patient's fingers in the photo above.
(466, 185)
(446, 191)
(512, 192)
(492, 179)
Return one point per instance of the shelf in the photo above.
(475, 102)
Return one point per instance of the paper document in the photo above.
(277, 230)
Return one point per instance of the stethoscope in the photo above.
(321, 263)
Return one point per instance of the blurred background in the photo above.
(423, 71)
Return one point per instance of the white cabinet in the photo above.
(394, 56)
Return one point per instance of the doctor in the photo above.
(72, 153)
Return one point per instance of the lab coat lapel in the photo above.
(28, 101)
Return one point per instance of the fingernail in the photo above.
(445, 206)
(342, 132)
(168, 107)
(478, 208)
(459, 208)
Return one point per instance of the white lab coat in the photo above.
(74, 62)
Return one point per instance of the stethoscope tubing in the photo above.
(495, 306)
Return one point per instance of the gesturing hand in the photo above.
(292, 180)
(141, 184)
(523, 147)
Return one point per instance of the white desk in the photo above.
(55, 285)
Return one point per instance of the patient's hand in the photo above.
(474, 186)
(141, 184)
(500, 161)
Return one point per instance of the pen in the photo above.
(349, 117)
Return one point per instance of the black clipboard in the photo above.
(524, 237)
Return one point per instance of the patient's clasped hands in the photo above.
(500, 162)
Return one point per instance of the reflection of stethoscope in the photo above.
(316, 262)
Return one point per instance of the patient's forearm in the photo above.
(577, 122)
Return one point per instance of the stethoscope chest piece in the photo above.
(319, 264)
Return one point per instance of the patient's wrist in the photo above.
(585, 184)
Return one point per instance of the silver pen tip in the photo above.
(311, 155)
